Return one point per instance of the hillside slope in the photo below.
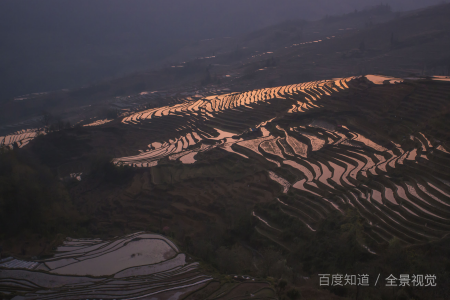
(357, 167)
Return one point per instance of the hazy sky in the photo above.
(195, 18)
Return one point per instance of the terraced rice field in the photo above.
(335, 165)
(97, 123)
(217, 118)
(329, 146)
(131, 267)
(21, 138)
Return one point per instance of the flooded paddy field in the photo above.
(131, 267)
(136, 266)
(323, 155)
(327, 158)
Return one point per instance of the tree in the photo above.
(32, 199)
(46, 118)
(272, 263)
(293, 294)
(392, 40)
(207, 80)
(60, 124)
(282, 284)
(234, 260)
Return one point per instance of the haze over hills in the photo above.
(399, 45)
(50, 45)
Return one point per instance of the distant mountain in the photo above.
(54, 44)
(376, 41)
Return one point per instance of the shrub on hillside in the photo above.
(236, 260)
(102, 168)
(31, 198)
